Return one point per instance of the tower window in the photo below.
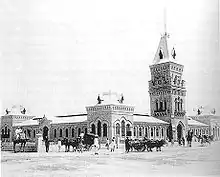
(156, 105)
(161, 54)
(55, 133)
(165, 105)
(161, 105)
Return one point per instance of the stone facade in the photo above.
(167, 89)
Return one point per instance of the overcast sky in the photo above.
(57, 56)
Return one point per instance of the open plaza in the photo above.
(171, 161)
(103, 92)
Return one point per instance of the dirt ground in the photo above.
(172, 161)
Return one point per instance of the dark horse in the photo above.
(80, 143)
(23, 140)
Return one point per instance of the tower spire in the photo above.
(165, 22)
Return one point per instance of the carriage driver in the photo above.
(18, 132)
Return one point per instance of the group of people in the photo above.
(19, 133)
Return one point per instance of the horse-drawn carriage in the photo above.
(81, 143)
(143, 144)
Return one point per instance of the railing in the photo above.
(160, 113)
(179, 113)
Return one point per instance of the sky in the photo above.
(57, 56)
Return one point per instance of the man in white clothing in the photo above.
(96, 144)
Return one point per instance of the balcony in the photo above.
(179, 113)
(161, 113)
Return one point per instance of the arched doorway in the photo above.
(99, 128)
(105, 130)
(179, 131)
(45, 132)
(117, 129)
(93, 128)
(123, 128)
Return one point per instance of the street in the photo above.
(171, 161)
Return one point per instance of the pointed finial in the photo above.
(165, 22)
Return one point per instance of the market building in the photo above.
(112, 117)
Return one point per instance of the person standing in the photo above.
(96, 144)
(107, 143)
(112, 145)
(127, 145)
(59, 145)
(47, 144)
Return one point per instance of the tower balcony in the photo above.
(160, 113)
(179, 113)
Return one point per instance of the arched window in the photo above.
(157, 132)
(181, 105)
(140, 131)
(162, 132)
(146, 134)
(61, 133)
(3, 132)
(79, 131)
(157, 105)
(55, 133)
(161, 54)
(165, 105)
(104, 130)
(99, 128)
(72, 132)
(161, 105)
(128, 129)
(66, 132)
(122, 128)
(86, 130)
(34, 133)
(151, 132)
(175, 104)
(93, 129)
(134, 131)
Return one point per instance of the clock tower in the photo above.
(167, 88)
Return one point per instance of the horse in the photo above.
(204, 139)
(21, 140)
(137, 145)
(150, 144)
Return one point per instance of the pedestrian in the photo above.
(117, 142)
(96, 144)
(183, 141)
(127, 145)
(59, 145)
(112, 145)
(107, 143)
(47, 143)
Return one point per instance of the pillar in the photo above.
(40, 143)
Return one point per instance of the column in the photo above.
(40, 143)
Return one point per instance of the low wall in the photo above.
(8, 146)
